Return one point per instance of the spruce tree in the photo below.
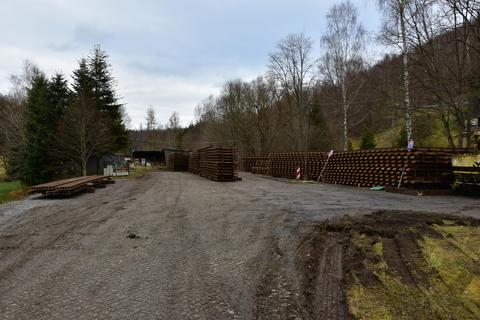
(59, 98)
(84, 131)
(37, 130)
(105, 98)
(46, 104)
(59, 95)
(82, 79)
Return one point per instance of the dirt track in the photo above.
(178, 246)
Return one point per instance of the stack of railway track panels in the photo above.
(67, 187)
(178, 161)
(194, 162)
(428, 167)
(217, 163)
(261, 166)
(247, 163)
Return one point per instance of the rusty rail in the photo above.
(67, 187)
(423, 166)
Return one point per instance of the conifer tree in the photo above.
(85, 130)
(105, 98)
(59, 95)
(37, 130)
(46, 104)
(59, 98)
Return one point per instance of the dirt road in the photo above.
(177, 246)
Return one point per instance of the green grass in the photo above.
(139, 171)
(11, 191)
(451, 292)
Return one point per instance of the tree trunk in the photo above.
(84, 168)
(406, 76)
(448, 130)
(461, 128)
(345, 117)
(469, 128)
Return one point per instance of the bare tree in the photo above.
(291, 66)
(443, 60)
(173, 126)
(343, 58)
(22, 82)
(151, 119)
(127, 120)
(82, 133)
(12, 118)
(261, 99)
(395, 32)
(468, 12)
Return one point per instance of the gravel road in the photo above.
(175, 246)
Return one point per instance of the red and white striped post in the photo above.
(299, 175)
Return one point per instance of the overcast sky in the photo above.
(169, 55)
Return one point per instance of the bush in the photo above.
(402, 138)
(368, 139)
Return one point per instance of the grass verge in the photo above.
(10, 191)
(139, 171)
(443, 274)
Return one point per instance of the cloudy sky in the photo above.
(168, 55)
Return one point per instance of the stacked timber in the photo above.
(194, 162)
(218, 163)
(285, 164)
(215, 163)
(429, 167)
(261, 166)
(67, 187)
(247, 163)
(178, 161)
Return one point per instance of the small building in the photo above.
(151, 156)
(156, 157)
(96, 165)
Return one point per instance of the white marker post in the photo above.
(329, 155)
(410, 146)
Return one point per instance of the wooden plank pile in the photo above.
(68, 187)
(194, 162)
(247, 163)
(215, 163)
(424, 167)
(261, 167)
(178, 161)
(285, 164)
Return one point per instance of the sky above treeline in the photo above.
(168, 55)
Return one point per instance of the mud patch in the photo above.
(386, 265)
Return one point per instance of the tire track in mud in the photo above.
(333, 256)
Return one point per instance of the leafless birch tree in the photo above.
(395, 32)
(343, 60)
(291, 66)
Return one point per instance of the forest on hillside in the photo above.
(426, 89)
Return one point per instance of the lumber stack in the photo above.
(68, 187)
(261, 166)
(194, 162)
(285, 164)
(215, 163)
(247, 163)
(178, 161)
(430, 167)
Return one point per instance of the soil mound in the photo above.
(390, 265)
